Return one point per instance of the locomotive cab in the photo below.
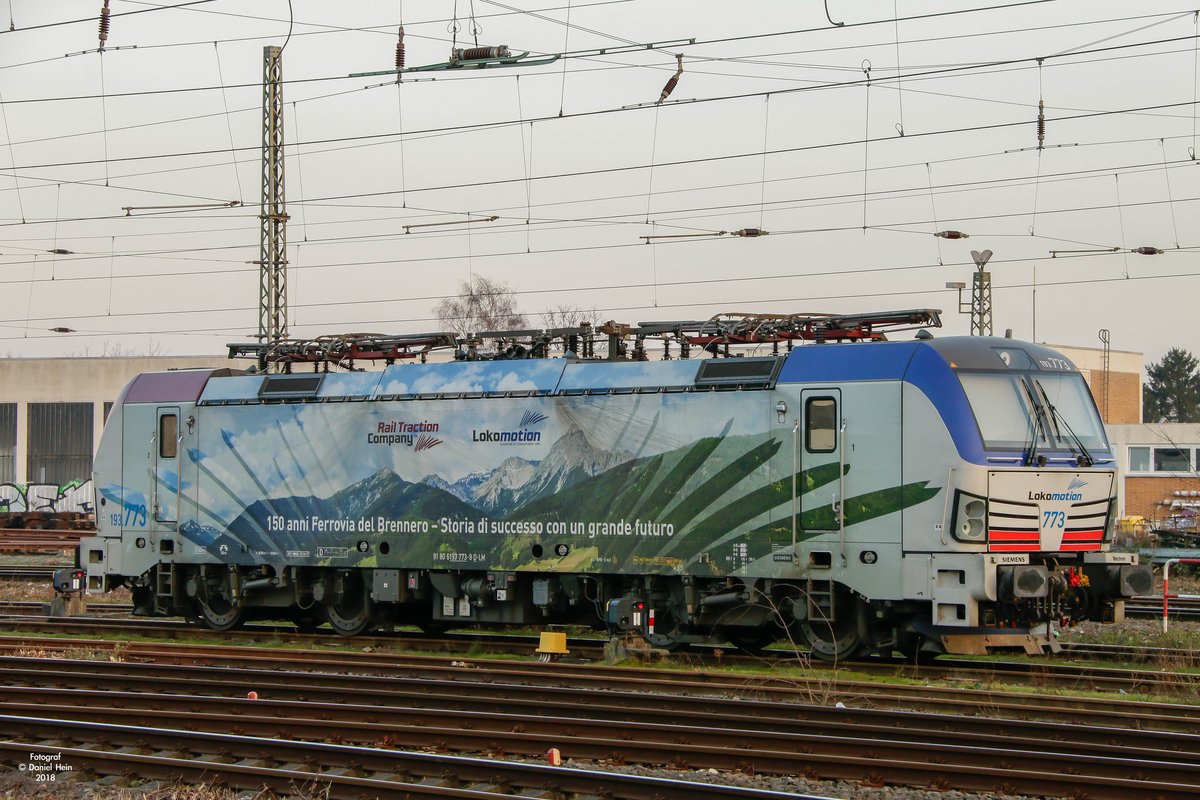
(1031, 508)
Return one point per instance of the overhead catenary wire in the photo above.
(13, 29)
(948, 187)
(910, 227)
(776, 300)
(528, 183)
(834, 85)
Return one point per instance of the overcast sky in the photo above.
(851, 144)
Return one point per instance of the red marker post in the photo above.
(1167, 583)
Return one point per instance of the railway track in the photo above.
(29, 572)
(480, 708)
(1180, 608)
(919, 692)
(1171, 678)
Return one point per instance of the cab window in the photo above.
(168, 436)
(820, 425)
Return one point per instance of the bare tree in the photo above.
(568, 315)
(481, 305)
(111, 349)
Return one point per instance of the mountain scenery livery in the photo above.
(936, 495)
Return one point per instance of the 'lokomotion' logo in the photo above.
(398, 433)
(1070, 494)
(521, 435)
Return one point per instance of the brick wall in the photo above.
(1142, 494)
(1124, 395)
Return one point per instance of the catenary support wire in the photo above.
(899, 75)
(299, 170)
(1121, 220)
(525, 160)
(933, 210)
(229, 125)
(562, 92)
(12, 160)
(1170, 199)
(866, 68)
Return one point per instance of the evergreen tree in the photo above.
(1173, 391)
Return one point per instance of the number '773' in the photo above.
(1054, 519)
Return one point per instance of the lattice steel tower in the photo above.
(981, 295)
(272, 295)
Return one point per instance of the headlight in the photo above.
(970, 515)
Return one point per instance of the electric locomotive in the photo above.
(849, 494)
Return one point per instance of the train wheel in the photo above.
(220, 615)
(350, 610)
(217, 609)
(836, 639)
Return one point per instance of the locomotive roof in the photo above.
(559, 376)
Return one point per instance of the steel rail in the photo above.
(401, 671)
(773, 746)
(1041, 672)
(29, 572)
(1048, 770)
(234, 757)
(623, 698)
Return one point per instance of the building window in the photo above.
(107, 408)
(1143, 458)
(1172, 459)
(60, 442)
(8, 442)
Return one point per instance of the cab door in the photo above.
(821, 460)
(166, 465)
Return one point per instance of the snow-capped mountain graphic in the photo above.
(495, 494)
(573, 458)
(384, 494)
(518, 481)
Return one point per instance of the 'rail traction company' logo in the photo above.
(397, 433)
(522, 435)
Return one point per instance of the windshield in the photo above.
(1002, 405)
(1073, 405)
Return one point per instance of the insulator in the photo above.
(750, 232)
(1041, 124)
(104, 23)
(672, 82)
(479, 53)
(952, 235)
(1147, 251)
(400, 50)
